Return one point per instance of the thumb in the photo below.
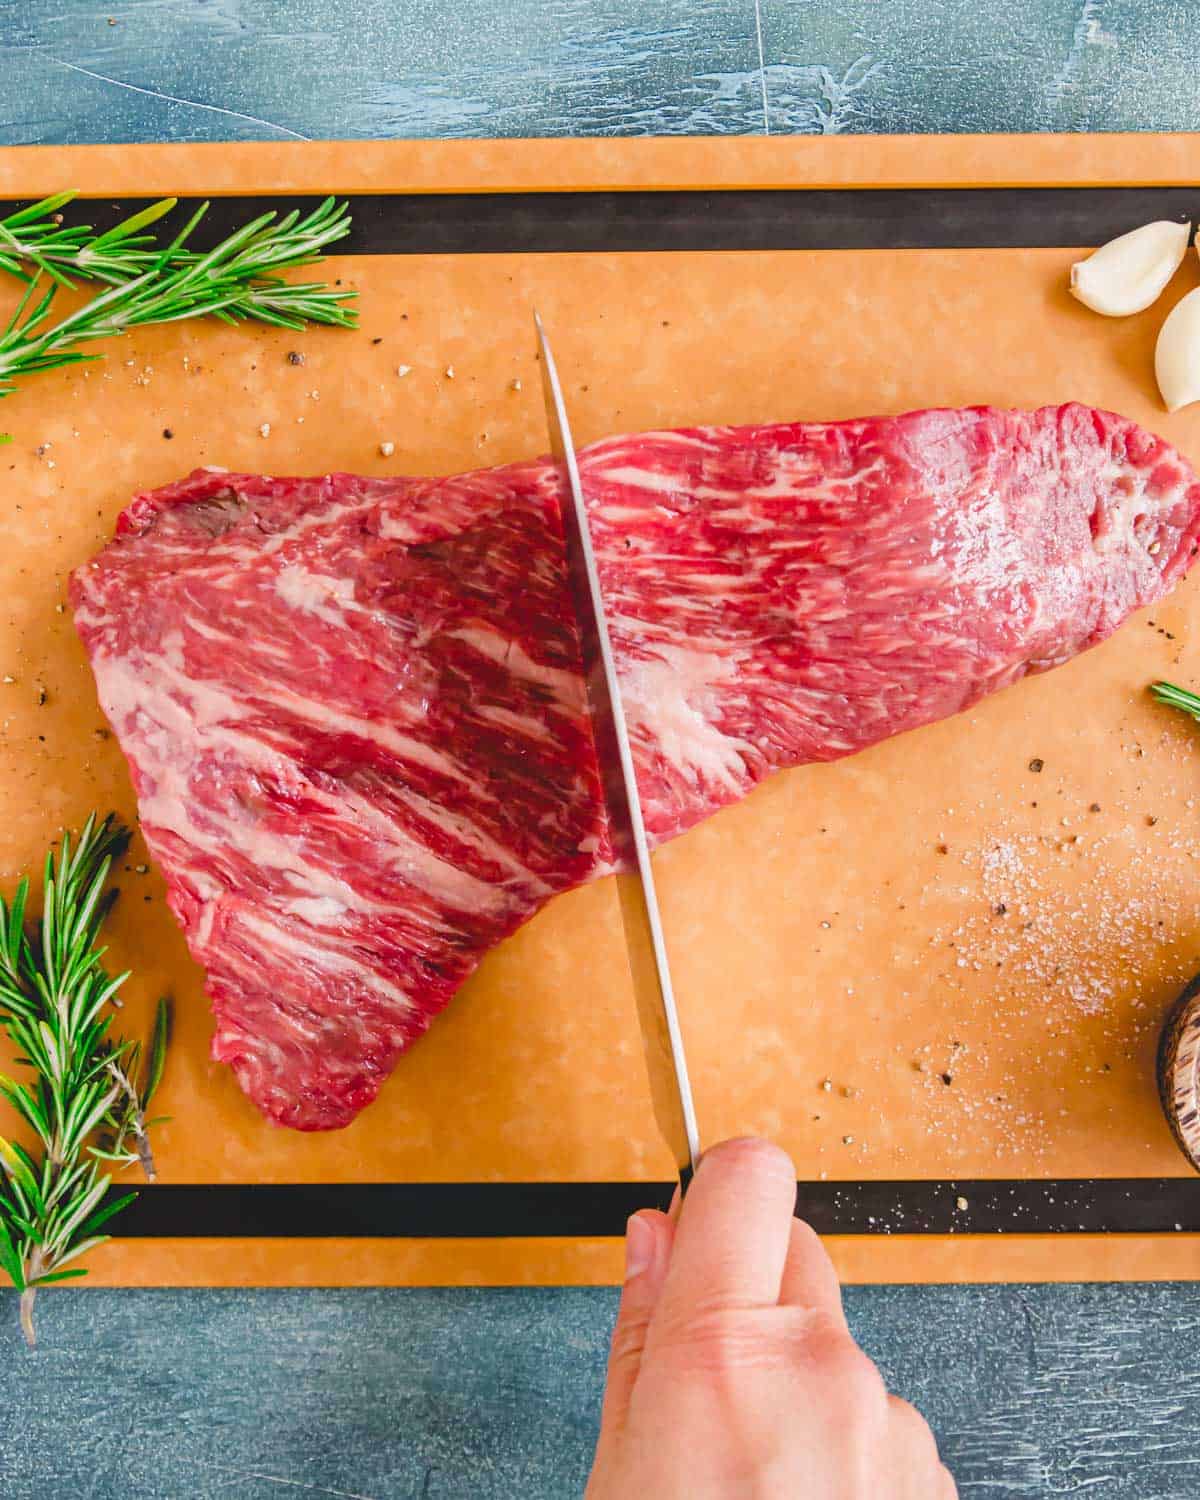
(648, 1239)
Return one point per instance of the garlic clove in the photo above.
(1177, 353)
(1127, 275)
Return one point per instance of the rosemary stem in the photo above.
(36, 1267)
(140, 1137)
(142, 1141)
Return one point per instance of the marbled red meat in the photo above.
(353, 711)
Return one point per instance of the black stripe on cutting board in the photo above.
(570, 1210)
(737, 219)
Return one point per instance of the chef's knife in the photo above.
(663, 1042)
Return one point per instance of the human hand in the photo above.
(733, 1373)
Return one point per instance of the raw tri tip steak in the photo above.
(353, 712)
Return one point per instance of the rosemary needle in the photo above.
(87, 1101)
(147, 283)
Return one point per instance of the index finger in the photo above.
(734, 1230)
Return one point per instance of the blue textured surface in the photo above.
(492, 1395)
(264, 69)
(380, 1395)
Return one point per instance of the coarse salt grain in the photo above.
(387, 449)
(265, 430)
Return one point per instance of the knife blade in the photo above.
(666, 1063)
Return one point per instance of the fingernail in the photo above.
(639, 1247)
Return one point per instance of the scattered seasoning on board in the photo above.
(39, 693)
(403, 370)
(141, 869)
(515, 385)
(387, 449)
(1036, 764)
(167, 433)
(961, 1204)
(449, 372)
(265, 430)
(296, 358)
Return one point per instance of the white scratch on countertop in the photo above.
(1088, 33)
(762, 65)
(296, 1484)
(839, 94)
(215, 109)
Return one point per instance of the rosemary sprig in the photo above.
(36, 236)
(1176, 697)
(33, 240)
(87, 1100)
(147, 283)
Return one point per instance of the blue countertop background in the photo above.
(197, 70)
(467, 1395)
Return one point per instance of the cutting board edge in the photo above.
(860, 1261)
(599, 163)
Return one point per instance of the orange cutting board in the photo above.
(846, 938)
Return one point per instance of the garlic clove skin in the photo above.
(1129, 273)
(1177, 353)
